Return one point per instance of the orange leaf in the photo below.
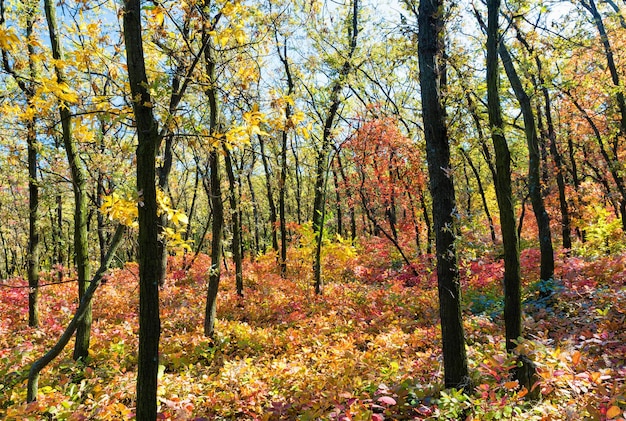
(613, 412)
(576, 357)
(596, 377)
(510, 385)
(522, 393)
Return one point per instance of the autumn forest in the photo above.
(312, 210)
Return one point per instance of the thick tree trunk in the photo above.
(431, 54)
(150, 258)
(504, 193)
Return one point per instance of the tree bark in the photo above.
(534, 180)
(431, 54)
(34, 239)
(235, 221)
(150, 258)
(217, 224)
(79, 184)
(270, 194)
(504, 193)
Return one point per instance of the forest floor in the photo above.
(367, 349)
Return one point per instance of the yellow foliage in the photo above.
(8, 39)
(61, 90)
(120, 209)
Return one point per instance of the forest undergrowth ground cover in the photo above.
(367, 349)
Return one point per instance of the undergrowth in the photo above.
(367, 349)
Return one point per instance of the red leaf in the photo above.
(388, 400)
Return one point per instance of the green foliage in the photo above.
(603, 233)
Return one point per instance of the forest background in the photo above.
(279, 253)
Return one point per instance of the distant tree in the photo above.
(27, 83)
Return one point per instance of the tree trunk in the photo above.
(235, 221)
(255, 212)
(322, 161)
(79, 184)
(430, 50)
(525, 371)
(534, 180)
(282, 184)
(504, 193)
(217, 224)
(338, 210)
(84, 304)
(481, 191)
(149, 230)
(350, 198)
(590, 5)
(270, 194)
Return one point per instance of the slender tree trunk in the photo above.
(525, 371)
(79, 184)
(81, 311)
(149, 249)
(322, 161)
(551, 137)
(33, 230)
(481, 191)
(534, 180)
(28, 89)
(270, 194)
(431, 52)
(296, 164)
(283, 159)
(235, 222)
(255, 212)
(590, 5)
(33, 188)
(217, 225)
(339, 212)
(575, 178)
(429, 229)
(192, 207)
(350, 203)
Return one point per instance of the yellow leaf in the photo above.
(8, 40)
(613, 412)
